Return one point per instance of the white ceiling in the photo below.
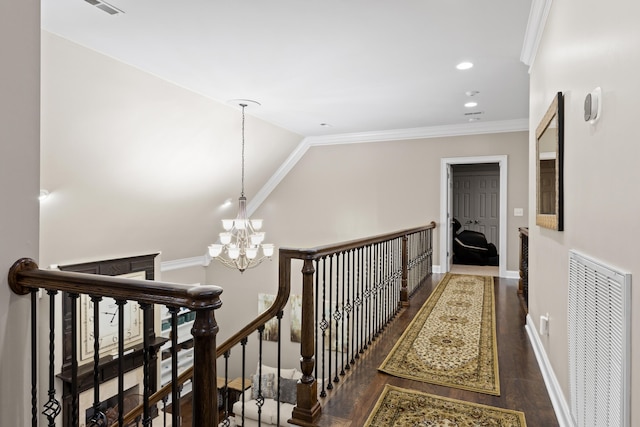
(358, 65)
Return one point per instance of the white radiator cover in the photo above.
(599, 316)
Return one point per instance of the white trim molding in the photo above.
(560, 405)
(196, 261)
(517, 125)
(535, 27)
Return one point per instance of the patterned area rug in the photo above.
(452, 339)
(398, 407)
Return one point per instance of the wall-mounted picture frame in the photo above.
(271, 327)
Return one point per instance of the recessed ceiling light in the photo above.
(464, 65)
(471, 104)
(472, 92)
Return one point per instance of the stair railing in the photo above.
(26, 278)
(350, 292)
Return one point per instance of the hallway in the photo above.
(522, 386)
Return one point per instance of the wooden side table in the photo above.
(235, 390)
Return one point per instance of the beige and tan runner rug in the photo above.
(452, 339)
(398, 407)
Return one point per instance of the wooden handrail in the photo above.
(278, 305)
(321, 251)
(25, 275)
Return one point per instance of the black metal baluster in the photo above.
(260, 398)
(121, 304)
(329, 322)
(349, 308)
(52, 408)
(323, 326)
(359, 307)
(345, 339)
(398, 276)
(225, 396)
(337, 317)
(367, 295)
(146, 362)
(175, 390)
(316, 335)
(34, 358)
(243, 343)
(389, 280)
(279, 316)
(374, 292)
(165, 399)
(98, 418)
(74, 359)
(383, 284)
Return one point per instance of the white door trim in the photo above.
(445, 235)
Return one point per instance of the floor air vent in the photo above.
(599, 343)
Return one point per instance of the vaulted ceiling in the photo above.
(321, 67)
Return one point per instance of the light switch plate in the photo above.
(518, 212)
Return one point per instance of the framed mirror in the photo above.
(549, 158)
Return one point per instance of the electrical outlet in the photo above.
(544, 325)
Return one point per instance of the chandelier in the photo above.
(241, 239)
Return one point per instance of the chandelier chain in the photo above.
(242, 189)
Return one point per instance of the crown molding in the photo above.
(476, 128)
(535, 27)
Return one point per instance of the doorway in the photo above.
(480, 205)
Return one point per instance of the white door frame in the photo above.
(445, 233)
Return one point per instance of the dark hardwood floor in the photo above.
(522, 386)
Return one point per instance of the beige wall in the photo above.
(343, 192)
(152, 162)
(601, 48)
(136, 164)
(19, 175)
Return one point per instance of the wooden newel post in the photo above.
(307, 410)
(204, 331)
(404, 291)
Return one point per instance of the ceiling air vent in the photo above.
(105, 7)
(474, 113)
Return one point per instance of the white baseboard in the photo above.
(510, 274)
(560, 405)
